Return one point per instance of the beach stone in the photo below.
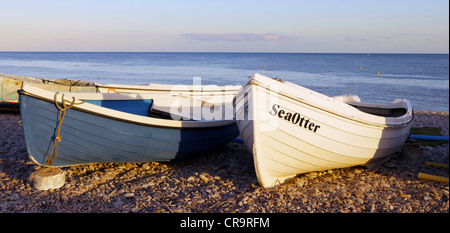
(158, 195)
(117, 203)
(146, 166)
(232, 185)
(198, 199)
(312, 175)
(44, 193)
(64, 198)
(204, 178)
(48, 178)
(299, 182)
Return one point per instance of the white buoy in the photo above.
(48, 178)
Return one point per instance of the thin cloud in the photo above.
(411, 34)
(234, 37)
(360, 39)
(123, 35)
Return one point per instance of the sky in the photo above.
(297, 26)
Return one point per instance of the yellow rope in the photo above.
(62, 115)
(425, 176)
(436, 164)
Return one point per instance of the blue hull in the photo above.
(88, 138)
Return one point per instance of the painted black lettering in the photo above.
(301, 121)
(295, 118)
(315, 129)
(281, 113)
(288, 116)
(311, 126)
(274, 109)
(306, 123)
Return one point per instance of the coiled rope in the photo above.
(62, 115)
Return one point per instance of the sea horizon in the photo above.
(231, 52)
(374, 77)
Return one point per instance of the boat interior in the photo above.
(396, 109)
(153, 108)
(142, 107)
(139, 107)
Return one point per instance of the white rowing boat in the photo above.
(291, 129)
(219, 97)
(10, 84)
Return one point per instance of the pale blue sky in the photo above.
(336, 26)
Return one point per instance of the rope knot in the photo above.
(62, 114)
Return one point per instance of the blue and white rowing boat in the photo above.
(64, 129)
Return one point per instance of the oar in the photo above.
(428, 137)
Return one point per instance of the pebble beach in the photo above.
(225, 182)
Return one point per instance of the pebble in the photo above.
(223, 182)
(204, 178)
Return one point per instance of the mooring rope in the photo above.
(62, 115)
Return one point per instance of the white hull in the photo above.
(218, 98)
(206, 92)
(291, 130)
(153, 87)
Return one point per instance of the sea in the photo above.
(375, 78)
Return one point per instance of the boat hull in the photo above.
(87, 137)
(9, 85)
(289, 136)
